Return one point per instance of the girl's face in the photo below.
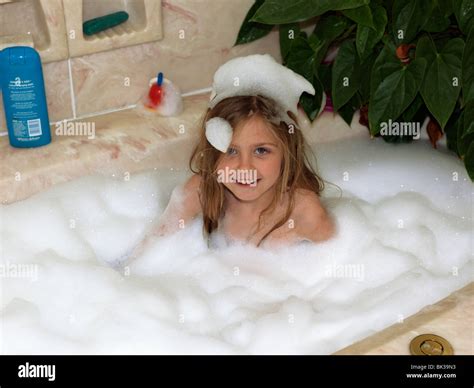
(251, 166)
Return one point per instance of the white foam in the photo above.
(256, 74)
(172, 103)
(181, 297)
(219, 133)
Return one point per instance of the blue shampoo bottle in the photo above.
(24, 97)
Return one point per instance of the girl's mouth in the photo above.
(248, 184)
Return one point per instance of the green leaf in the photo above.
(305, 55)
(250, 31)
(426, 49)
(452, 129)
(366, 71)
(284, 11)
(302, 58)
(397, 139)
(367, 38)
(330, 27)
(326, 30)
(464, 11)
(441, 85)
(461, 134)
(469, 161)
(468, 128)
(345, 75)
(416, 111)
(288, 34)
(348, 110)
(325, 75)
(439, 18)
(361, 15)
(409, 17)
(320, 48)
(347, 113)
(385, 64)
(312, 104)
(463, 142)
(395, 93)
(468, 68)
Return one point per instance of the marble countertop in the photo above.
(125, 141)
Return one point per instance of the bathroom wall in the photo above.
(198, 36)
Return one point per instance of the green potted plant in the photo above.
(397, 61)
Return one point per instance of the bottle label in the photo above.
(26, 124)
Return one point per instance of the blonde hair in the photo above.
(296, 170)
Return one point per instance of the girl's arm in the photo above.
(183, 207)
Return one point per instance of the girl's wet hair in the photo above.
(296, 170)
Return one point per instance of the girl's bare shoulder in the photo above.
(193, 183)
(312, 220)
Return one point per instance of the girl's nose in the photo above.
(245, 161)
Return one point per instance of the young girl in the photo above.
(262, 189)
(279, 204)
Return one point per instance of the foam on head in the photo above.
(255, 75)
(219, 133)
(260, 74)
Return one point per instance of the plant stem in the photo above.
(346, 34)
(453, 31)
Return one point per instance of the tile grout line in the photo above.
(71, 87)
(103, 112)
(73, 103)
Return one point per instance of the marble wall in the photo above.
(198, 36)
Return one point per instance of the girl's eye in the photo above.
(231, 151)
(261, 151)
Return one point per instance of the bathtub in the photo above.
(74, 210)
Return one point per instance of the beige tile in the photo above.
(40, 21)
(210, 29)
(58, 92)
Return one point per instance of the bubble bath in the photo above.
(404, 241)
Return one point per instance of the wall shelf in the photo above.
(144, 24)
(42, 27)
